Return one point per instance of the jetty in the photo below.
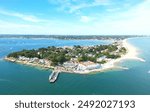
(53, 76)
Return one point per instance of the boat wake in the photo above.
(124, 68)
(121, 67)
(141, 59)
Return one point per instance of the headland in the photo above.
(78, 59)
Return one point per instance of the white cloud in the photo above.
(132, 21)
(85, 19)
(72, 6)
(113, 9)
(49, 27)
(24, 17)
(5, 24)
(87, 5)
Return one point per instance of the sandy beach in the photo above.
(132, 54)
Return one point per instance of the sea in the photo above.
(17, 79)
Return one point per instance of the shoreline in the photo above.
(29, 64)
(132, 53)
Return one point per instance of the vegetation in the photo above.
(59, 55)
(102, 62)
(123, 50)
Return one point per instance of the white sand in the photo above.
(132, 53)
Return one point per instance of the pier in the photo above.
(53, 76)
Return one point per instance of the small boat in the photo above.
(149, 71)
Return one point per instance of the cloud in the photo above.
(24, 17)
(49, 27)
(72, 6)
(85, 19)
(132, 21)
(19, 28)
(12, 28)
(113, 9)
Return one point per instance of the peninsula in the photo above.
(75, 59)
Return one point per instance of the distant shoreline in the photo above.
(71, 37)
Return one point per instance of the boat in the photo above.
(53, 77)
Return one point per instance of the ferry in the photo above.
(53, 77)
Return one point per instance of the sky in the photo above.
(75, 17)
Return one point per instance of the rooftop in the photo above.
(87, 63)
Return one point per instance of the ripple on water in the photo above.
(4, 80)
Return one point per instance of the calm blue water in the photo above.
(21, 79)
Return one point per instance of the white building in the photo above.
(23, 58)
(69, 64)
(101, 58)
(88, 66)
(42, 61)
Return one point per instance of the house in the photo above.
(42, 61)
(90, 55)
(69, 64)
(35, 60)
(88, 65)
(23, 58)
(101, 58)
